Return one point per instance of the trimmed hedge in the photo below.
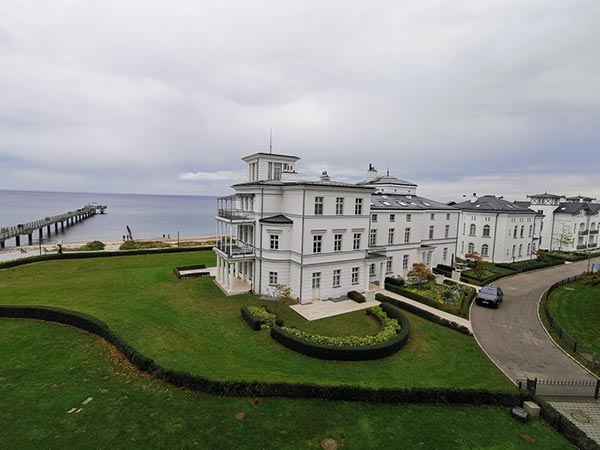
(526, 266)
(96, 254)
(265, 389)
(356, 296)
(467, 279)
(424, 314)
(426, 301)
(255, 321)
(395, 281)
(347, 353)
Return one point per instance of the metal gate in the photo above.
(562, 388)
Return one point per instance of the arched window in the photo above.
(514, 250)
(516, 231)
(581, 226)
(484, 250)
(472, 229)
(529, 249)
(486, 231)
(593, 226)
(520, 249)
(530, 230)
(471, 247)
(522, 230)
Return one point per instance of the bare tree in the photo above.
(564, 237)
(282, 296)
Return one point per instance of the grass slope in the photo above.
(189, 325)
(576, 308)
(46, 370)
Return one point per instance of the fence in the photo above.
(588, 357)
(562, 388)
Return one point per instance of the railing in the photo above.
(583, 232)
(593, 245)
(581, 247)
(236, 249)
(235, 214)
(593, 231)
(563, 388)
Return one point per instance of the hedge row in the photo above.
(264, 389)
(395, 281)
(419, 298)
(347, 353)
(424, 314)
(575, 256)
(526, 266)
(97, 254)
(467, 279)
(356, 296)
(257, 321)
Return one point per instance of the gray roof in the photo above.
(277, 155)
(523, 204)
(278, 219)
(401, 202)
(544, 195)
(491, 203)
(579, 198)
(574, 208)
(300, 183)
(386, 179)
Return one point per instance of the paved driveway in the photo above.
(512, 334)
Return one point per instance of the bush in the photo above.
(424, 314)
(531, 264)
(257, 317)
(136, 245)
(95, 245)
(392, 337)
(395, 281)
(356, 296)
(591, 279)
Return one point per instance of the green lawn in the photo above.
(576, 308)
(189, 325)
(46, 370)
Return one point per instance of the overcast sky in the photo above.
(149, 96)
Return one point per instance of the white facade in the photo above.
(498, 230)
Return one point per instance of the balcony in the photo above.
(593, 231)
(593, 245)
(581, 247)
(583, 232)
(235, 250)
(236, 215)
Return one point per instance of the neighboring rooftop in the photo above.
(491, 203)
(545, 195)
(399, 201)
(300, 183)
(387, 180)
(579, 198)
(575, 208)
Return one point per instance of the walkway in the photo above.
(512, 335)
(321, 309)
(444, 315)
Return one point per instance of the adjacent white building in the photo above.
(324, 238)
(498, 230)
(569, 224)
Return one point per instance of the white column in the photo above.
(218, 268)
(367, 276)
(231, 283)
(381, 275)
(230, 239)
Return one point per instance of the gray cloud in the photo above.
(165, 97)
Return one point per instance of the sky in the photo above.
(146, 96)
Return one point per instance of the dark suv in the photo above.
(489, 295)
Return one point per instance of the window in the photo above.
(484, 250)
(337, 243)
(373, 238)
(447, 231)
(388, 264)
(277, 171)
(432, 217)
(409, 217)
(405, 262)
(337, 276)
(530, 230)
(272, 278)
(520, 249)
(471, 247)
(472, 230)
(522, 230)
(406, 235)
(319, 206)
(316, 280)
(462, 246)
(339, 206)
(274, 239)
(515, 231)
(374, 217)
(445, 254)
(514, 250)
(372, 270)
(392, 217)
(391, 236)
(431, 231)
(448, 216)
(356, 243)
(529, 249)
(464, 227)
(486, 231)
(355, 275)
(358, 206)
(317, 243)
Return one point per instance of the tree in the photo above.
(420, 273)
(564, 237)
(282, 296)
(475, 260)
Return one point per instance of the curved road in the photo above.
(512, 335)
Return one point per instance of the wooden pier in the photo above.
(64, 220)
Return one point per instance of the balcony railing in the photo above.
(583, 232)
(593, 231)
(593, 245)
(235, 214)
(581, 247)
(236, 249)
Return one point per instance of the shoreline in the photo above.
(24, 251)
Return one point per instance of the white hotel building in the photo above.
(324, 238)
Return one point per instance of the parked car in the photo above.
(490, 295)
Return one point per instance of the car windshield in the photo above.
(489, 290)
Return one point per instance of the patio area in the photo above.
(321, 309)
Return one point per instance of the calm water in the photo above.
(148, 216)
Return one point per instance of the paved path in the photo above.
(583, 414)
(437, 312)
(512, 335)
(321, 309)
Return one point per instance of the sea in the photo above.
(148, 216)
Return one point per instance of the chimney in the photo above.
(324, 176)
(474, 198)
(371, 173)
(289, 175)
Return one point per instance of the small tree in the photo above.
(475, 260)
(420, 273)
(282, 296)
(564, 237)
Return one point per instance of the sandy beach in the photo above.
(24, 251)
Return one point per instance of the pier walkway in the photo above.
(66, 219)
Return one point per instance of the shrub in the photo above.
(395, 281)
(356, 296)
(392, 337)
(424, 314)
(135, 245)
(257, 317)
(591, 279)
(95, 245)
